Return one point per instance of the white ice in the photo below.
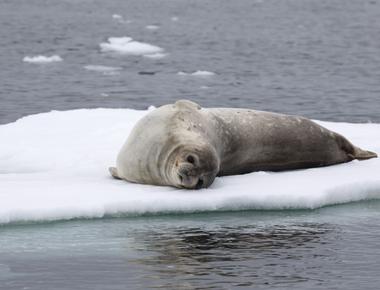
(117, 16)
(199, 73)
(128, 46)
(158, 55)
(54, 166)
(42, 59)
(107, 70)
(152, 27)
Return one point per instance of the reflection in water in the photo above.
(337, 248)
(234, 256)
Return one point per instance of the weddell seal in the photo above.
(186, 146)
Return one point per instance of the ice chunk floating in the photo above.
(126, 45)
(102, 68)
(59, 171)
(42, 59)
(106, 70)
(158, 55)
(199, 73)
(117, 16)
(152, 27)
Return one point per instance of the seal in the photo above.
(186, 146)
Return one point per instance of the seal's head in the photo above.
(173, 145)
(193, 166)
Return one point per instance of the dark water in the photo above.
(330, 248)
(310, 57)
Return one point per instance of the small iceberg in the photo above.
(152, 27)
(117, 16)
(128, 46)
(199, 73)
(42, 59)
(107, 70)
(158, 55)
(120, 19)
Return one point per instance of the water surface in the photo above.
(330, 248)
(315, 58)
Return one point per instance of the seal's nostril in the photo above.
(199, 183)
(180, 177)
(190, 159)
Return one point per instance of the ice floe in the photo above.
(158, 55)
(152, 27)
(128, 46)
(54, 166)
(107, 70)
(120, 19)
(199, 73)
(42, 59)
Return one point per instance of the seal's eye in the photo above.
(190, 159)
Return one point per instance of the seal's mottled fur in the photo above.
(184, 145)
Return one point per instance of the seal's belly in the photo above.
(268, 141)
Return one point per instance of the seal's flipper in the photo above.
(352, 151)
(113, 172)
(363, 154)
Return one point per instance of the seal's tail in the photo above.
(361, 154)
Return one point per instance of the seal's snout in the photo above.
(192, 180)
(196, 168)
(189, 180)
